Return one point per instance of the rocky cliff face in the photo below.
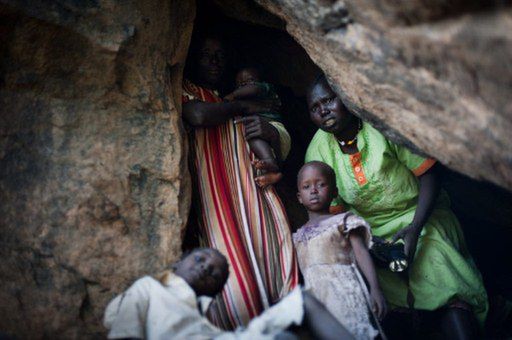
(434, 75)
(94, 187)
(93, 180)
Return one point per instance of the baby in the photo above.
(250, 86)
(326, 248)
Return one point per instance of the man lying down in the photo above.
(172, 306)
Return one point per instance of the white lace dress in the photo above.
(327, 263)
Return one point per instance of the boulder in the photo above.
(434, 76)
(93, 175)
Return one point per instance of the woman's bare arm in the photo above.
(428, 191)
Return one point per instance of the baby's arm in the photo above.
(365, 264)
(246, 92)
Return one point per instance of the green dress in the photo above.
(379, 183)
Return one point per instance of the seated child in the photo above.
(326, 247)
(249, 86)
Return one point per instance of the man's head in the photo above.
(326, 109)
(206, 270)
(211, 62)
(247, 75)
(316, 184)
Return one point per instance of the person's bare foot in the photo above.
(268, 179)
(267, 164)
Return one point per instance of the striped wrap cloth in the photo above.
(247, 224)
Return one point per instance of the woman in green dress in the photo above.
(398, 193)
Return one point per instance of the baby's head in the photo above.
(206, 270)
(316, 184)
(247, 75)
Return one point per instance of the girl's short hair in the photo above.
(326, 169)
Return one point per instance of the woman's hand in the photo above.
(257, 127)
(410, 235)
(379, 305)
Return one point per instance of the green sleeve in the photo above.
(338, 201)
(414, 162)
(312, 154)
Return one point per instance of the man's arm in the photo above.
(246, 92)
(202, 114)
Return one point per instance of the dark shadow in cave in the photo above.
(484, 210)
(286, 65)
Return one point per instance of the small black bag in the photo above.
(388, 255)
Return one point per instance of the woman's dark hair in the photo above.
(319, 79)
(326, 169)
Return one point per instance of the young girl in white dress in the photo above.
(331, 249)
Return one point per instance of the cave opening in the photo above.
(92, 151)
(284, 64)
(484, 210)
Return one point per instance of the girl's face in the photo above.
(326, 110)
(316, 192)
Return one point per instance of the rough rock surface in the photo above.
(433, 75)
(93, 183)
(249, 12)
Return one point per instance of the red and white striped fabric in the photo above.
(247, 224)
